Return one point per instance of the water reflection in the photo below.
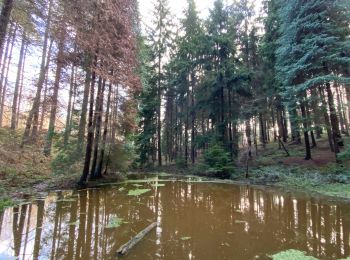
(219, 221)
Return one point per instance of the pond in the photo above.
(195, 220)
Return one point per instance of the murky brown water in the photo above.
(195, 221)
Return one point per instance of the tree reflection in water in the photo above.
(219, 221)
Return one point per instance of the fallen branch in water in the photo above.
(132, 242)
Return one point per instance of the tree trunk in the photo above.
(337, 139)
(306, 134)
(17, 85)
(90, 136)
(82, 122)
(97, 121)
(98, 172)
(193, 119)
(317, 113)
(326, 119)
(294, 125)
(262, 130)
(159, 120)
(3, 62)
(248, 132)
(21, 88)
(7, 7)
(313, 140)
(115, 114)
(347, 90)
(54, 102)
(45, 102)
(5, 77)
(34, 112)
(69, 109)
(341, 110)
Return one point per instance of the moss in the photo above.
(5, 203)
(115, 222)
(329, 180)
(292, 254)
(137, 192)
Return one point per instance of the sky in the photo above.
(178, 6)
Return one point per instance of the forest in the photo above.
(92, 89)
(174, 92)
(250, 92)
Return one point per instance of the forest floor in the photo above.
(321, 174)
(27, 172)
(270, 166)
(24, 172)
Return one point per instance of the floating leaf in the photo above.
(240, 222)
(121, 189)
(158, 185)
(185, 238)
(140, 181)
(66, 200)
(137, 192)
(115, 222)
(292, 254)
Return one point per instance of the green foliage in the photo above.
(219, 162)
(148, 104)
(180, 162)
(344, 156)
(120, 156)
(292, 254)
(137, 192)
(114, 222)
(5, 203)
(67, 158)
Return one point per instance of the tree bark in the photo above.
(337, 139)
(342, 117)
(306, 134)
(4, 21)
(126, 247)
(326, 119)
(54, 102)
(248, 132)
(21, 88)
(45, 102)
(3, 61)
(69, 109)
(90, 136)
(97, 121)
(98, 173)
(34, 112)
(82, 122)
(262, 130)
(17, 85)
(5, 77)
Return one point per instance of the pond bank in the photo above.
(325, 181)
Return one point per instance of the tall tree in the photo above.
(160, 38)
(6, 9)
(34, 112)
(17, 84)
(311, 52)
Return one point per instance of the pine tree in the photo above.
(160, 38)
(311, 52)
(148, 103)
